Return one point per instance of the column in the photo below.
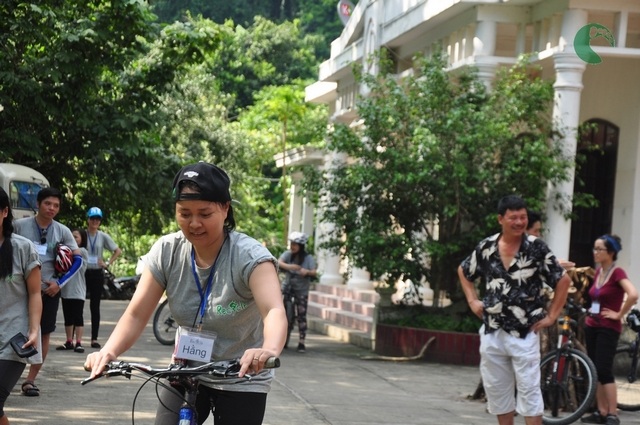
(360, 279)
(308, 211)
(295, 204)
(484, 48)
(566, 117)
(328, 261)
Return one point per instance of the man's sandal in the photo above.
(30, 389)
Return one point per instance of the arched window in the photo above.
(596, 176)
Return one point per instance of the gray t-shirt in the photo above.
(230, 309)
(76, 287)
(56, 233)
(14, 301)
(300, 284)
(96, 245)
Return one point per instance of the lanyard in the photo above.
(603, 279)
(92, 243)
(42, 233)
(204, 294)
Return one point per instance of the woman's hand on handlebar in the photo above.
(253, 360)
(97, 362)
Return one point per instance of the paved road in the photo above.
(328, 385)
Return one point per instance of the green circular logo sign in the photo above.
(582, 42)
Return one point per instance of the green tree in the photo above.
(80, 85)
(320, 17)
(108, 104)
(263, 54)
(317, 17)
(281, 120)
(435, 153)
(241, 11)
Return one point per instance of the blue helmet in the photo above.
(94, 212)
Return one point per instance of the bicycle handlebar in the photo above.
(219, 368)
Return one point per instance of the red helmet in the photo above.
(64, 259)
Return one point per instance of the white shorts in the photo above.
(507, 363)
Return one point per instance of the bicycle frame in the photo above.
(564, 344)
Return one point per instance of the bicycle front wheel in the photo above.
(626, 379)
(569, 392)
(164, 327)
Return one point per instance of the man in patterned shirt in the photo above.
(517, 271)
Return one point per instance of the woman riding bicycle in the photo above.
(300, 267)
(216, 280)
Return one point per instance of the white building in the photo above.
(492, 33)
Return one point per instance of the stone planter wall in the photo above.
(448, 347)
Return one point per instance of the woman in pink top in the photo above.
(603, 326)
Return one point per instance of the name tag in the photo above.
(195, 345)
(93, 259)
(595, 307)
(41, 248)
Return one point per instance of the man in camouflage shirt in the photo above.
(517, 271)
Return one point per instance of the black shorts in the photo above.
(49, 313)
(73, 309)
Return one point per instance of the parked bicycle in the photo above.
(625, 367)
(568, 376)
(289, 300)
(164, 325)
(178, 376)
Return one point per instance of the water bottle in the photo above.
(187, 417)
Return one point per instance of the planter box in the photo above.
(448, 347)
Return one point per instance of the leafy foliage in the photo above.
(435, 153)
(317, 17)
(81, 85)
(108, 104)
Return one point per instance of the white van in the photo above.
(22, 184)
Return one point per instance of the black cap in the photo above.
(212, 181)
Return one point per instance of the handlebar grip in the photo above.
(272, 363)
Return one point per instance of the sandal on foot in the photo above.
(30, 389)
(66, 346)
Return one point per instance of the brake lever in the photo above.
(108, 373)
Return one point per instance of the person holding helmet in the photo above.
(74, 294)
(97, 242)
(300, 267)
(46, 235)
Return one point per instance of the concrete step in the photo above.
(343, 313)
(342, 291)
(340, 333)
(345, 304)
(354, 321)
